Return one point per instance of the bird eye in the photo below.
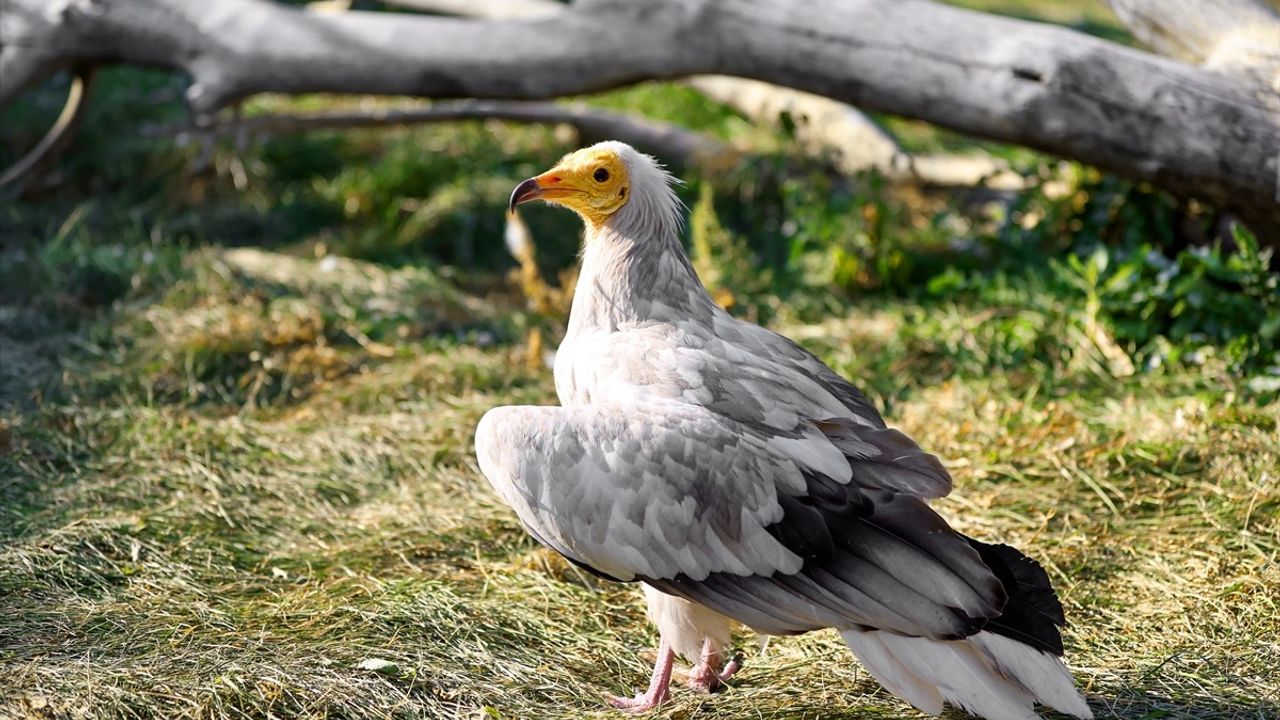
(601, 175)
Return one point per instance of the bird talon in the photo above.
(731, 668)
(641, 703)
(707, 676)
(704, 680)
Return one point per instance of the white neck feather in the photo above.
(634, 268)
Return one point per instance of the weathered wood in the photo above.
(1229, 35)
(821, 125)
(487, 9)
(839, 133)
(824, 127)
(670, 143)
(60, 134)
(1192, 131)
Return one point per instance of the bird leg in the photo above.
(732, 668)
(707, 675)
(659, 684)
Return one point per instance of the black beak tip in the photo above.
(524, 191)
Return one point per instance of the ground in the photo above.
(167, 559)
(236, 467)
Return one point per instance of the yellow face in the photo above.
(592, 182)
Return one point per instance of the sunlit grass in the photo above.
(236, 414)
(177, 555)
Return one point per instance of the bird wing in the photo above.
(759, 526)
(755, 377)
(781, 350)
(760, 378)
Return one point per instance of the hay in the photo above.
(335, 553)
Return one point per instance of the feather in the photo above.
(1033, 613)
(988, 674)
(1042, 674)
(891, 673)
(741, 479)
(963, 675)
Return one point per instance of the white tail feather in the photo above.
(895, 678)
(1041, 673)
(988, 675)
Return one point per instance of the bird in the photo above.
(743, 482)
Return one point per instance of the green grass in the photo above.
(187, 554)
(236, 414)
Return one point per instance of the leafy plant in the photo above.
(726, 265)
(1179, 308)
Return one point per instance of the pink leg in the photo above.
(732, 668)
(708, 676)
(659, 684)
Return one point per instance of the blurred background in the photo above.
(240, 366)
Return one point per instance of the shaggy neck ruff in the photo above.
(634, 269)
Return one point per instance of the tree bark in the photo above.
(851, 140)
(670, 143)
(59, 136)
(1193, 131)
(1228, 35)
(828, 129)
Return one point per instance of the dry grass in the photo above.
(190, 531)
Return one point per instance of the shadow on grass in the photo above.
(1136, 703)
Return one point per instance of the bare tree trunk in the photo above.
(671, 143)
(826, 128)
(1193, 131)
(822, 125)
(1228, 35)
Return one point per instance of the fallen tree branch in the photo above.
(486, 9)
(827, 128)
(851, 141)
(947, 171)
(1241, 36)
(1192, 131)
(822, 126)
(670, 143)
(60, 134)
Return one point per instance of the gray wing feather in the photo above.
(881, 457)
(732, 517)
(641, 491)
(886, 458)
(763, 381)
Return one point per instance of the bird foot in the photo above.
(705, 678)
(659, 685)
(732, 668)
(641, 703)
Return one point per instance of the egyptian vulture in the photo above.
(741, 480)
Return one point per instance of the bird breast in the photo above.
(612, 366)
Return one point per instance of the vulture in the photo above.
(741, 481)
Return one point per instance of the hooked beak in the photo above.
(553, 184)
(524, 192)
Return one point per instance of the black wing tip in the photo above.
(1033, 613)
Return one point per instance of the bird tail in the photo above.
(999, 673)
(989, 675)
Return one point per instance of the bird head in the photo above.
(594, 182)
